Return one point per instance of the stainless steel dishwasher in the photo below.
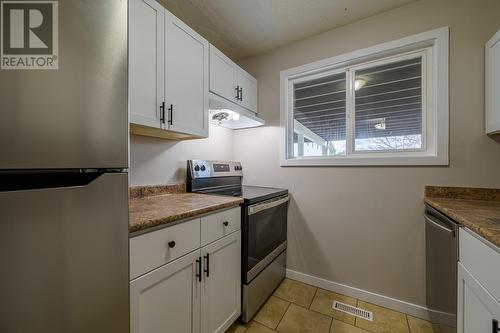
(441, 237)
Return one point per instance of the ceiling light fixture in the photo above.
(359, 83)
(380, 126)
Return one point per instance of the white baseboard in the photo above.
(368, 296)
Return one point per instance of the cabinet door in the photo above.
(168, 298)
(248, 87)
(186, 78)
(477, 309)
(493, 84)
(221, 304)
(146, 61)
(222, 75)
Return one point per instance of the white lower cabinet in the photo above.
(221, 299)
(478, 311)
(168, 298)
(198, 292)
(478, 304)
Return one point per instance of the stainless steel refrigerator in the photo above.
(63, 177)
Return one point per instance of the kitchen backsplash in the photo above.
(155, 161)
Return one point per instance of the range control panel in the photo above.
(206, 169)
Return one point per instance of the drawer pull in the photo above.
(198, 275)
(207, 258)
(225, 223)
(171, 244)
(495, 327)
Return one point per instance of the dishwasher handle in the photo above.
(439, 225)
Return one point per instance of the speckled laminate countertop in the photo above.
(474, 208)
(163, 207)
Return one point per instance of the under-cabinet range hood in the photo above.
(231, 115)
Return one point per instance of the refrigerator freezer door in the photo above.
(64, 257)
(75, 116)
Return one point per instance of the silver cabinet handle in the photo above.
(438, 225)
(266, 205)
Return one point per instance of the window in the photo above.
(384, 105)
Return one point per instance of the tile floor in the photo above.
(296, 307)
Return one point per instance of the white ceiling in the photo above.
(242, 28)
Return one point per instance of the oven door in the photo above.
(264, 230)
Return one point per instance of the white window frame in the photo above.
(434, 47)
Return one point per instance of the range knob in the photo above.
(197, 168)
(203, 168)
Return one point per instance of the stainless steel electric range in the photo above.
(264, 227)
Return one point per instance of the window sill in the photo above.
(422, 160)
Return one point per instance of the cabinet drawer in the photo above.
(152, 250)
(481, 260)
(218, 225)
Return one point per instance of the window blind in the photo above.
(388, 106)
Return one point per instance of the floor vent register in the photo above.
(352, 310)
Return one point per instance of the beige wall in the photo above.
(363, 226)
(154, 161)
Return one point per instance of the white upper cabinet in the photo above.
(146, 61)
(171, 70)
(186, 78)
(247, 85)
(222, 75)
(168, 80)
(492, 84)
(231, 82)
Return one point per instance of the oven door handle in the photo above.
(266, 205)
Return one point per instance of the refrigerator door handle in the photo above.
(46, 180)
